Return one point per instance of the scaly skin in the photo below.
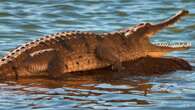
(66, 52)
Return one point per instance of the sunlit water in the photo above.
(24, 20)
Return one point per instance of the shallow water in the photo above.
(22, 21)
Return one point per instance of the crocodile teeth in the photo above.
(174, 44)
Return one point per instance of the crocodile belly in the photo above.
(80, 62)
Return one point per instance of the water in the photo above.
(22, 21)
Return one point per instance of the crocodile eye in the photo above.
(141, 24)
(41, 38)
(147, 24)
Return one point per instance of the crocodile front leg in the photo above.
(109, 55)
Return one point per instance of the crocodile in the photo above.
(67, 52)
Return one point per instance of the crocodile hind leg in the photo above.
(45, 62)
(56, 67)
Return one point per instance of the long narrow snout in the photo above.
(172, 20)
(160, 50)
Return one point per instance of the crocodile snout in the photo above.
(150, 29)
(172, 20)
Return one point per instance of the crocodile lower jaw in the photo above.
(173, 44)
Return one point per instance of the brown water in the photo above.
(22, 21)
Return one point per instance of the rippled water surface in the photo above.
(24, 20)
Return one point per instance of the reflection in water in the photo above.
(85, 90)
(92, 91)
(23, 20)
(92, 88)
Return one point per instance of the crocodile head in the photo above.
(144, 31)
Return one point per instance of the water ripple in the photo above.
(24, 20)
